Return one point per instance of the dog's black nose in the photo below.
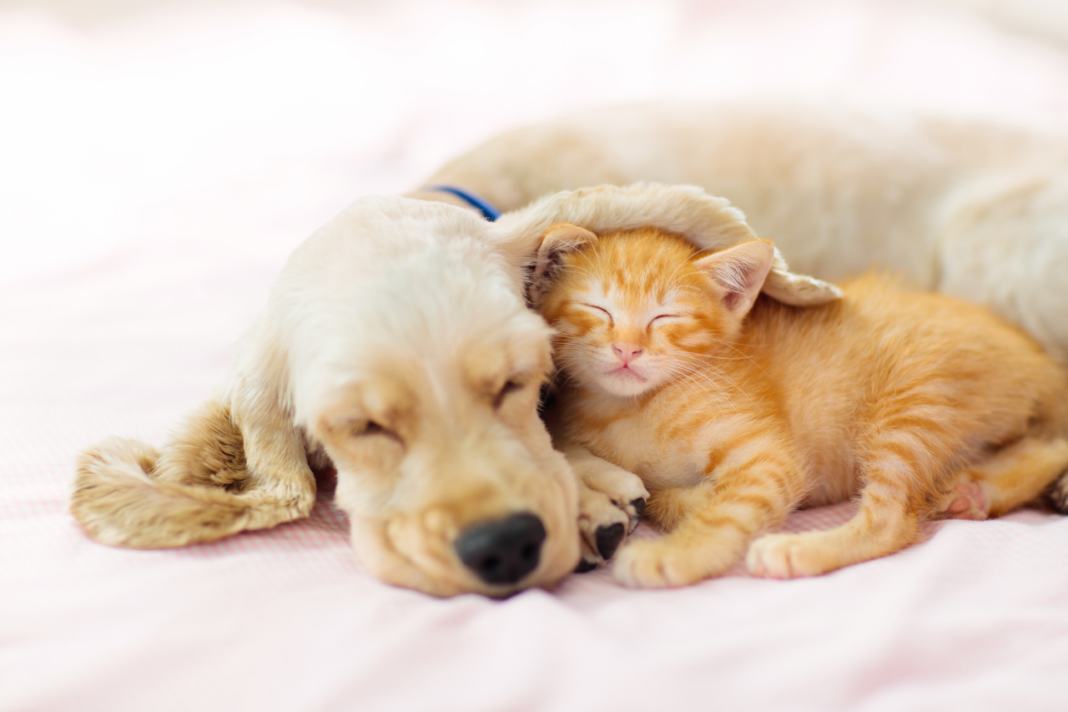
(502, 551)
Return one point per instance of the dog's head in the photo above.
(415, 363)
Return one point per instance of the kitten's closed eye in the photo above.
(600, 310)
(662, 318)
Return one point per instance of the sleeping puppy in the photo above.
(397, 347)
(972, 209)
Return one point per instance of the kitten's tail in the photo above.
(127, 493)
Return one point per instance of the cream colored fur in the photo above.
(973, 209)
(396, 346)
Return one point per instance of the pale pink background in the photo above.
(158, 163)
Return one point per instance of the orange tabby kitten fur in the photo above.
(735, 409)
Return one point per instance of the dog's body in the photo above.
(975, 210)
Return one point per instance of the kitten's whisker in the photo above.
(744, 356)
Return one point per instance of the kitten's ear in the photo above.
(740, 271)
(557, 242)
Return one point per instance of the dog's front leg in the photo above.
(280, 480)
(611, 502)
(278, 467)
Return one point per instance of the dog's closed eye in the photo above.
(369, 428)
(373, 428)
(511, 386)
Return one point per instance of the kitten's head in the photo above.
(635, 310)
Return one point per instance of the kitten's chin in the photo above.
(624, 382)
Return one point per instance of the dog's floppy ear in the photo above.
(557, 242)
(708, 222)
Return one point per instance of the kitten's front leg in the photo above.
(712, 523)
(611, 502)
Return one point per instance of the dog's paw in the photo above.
(611, 502)
(659, 564)
(602, 527)
(785, 556)
(624, 490)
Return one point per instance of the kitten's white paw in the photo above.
(784, 556)
(649, 564)
(663, 564)
(967, 501)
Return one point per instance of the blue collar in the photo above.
(488, 211)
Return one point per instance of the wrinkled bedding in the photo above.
(157, 168)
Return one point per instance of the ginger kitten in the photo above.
(735, 409)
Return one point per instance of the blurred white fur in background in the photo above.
(126, 121)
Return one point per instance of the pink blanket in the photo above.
(156, 169)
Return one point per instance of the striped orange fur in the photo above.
(735, 409)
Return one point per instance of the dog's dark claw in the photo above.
(585, 566)
(638, 505)
(609, 539)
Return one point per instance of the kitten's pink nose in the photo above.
(627, 352)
